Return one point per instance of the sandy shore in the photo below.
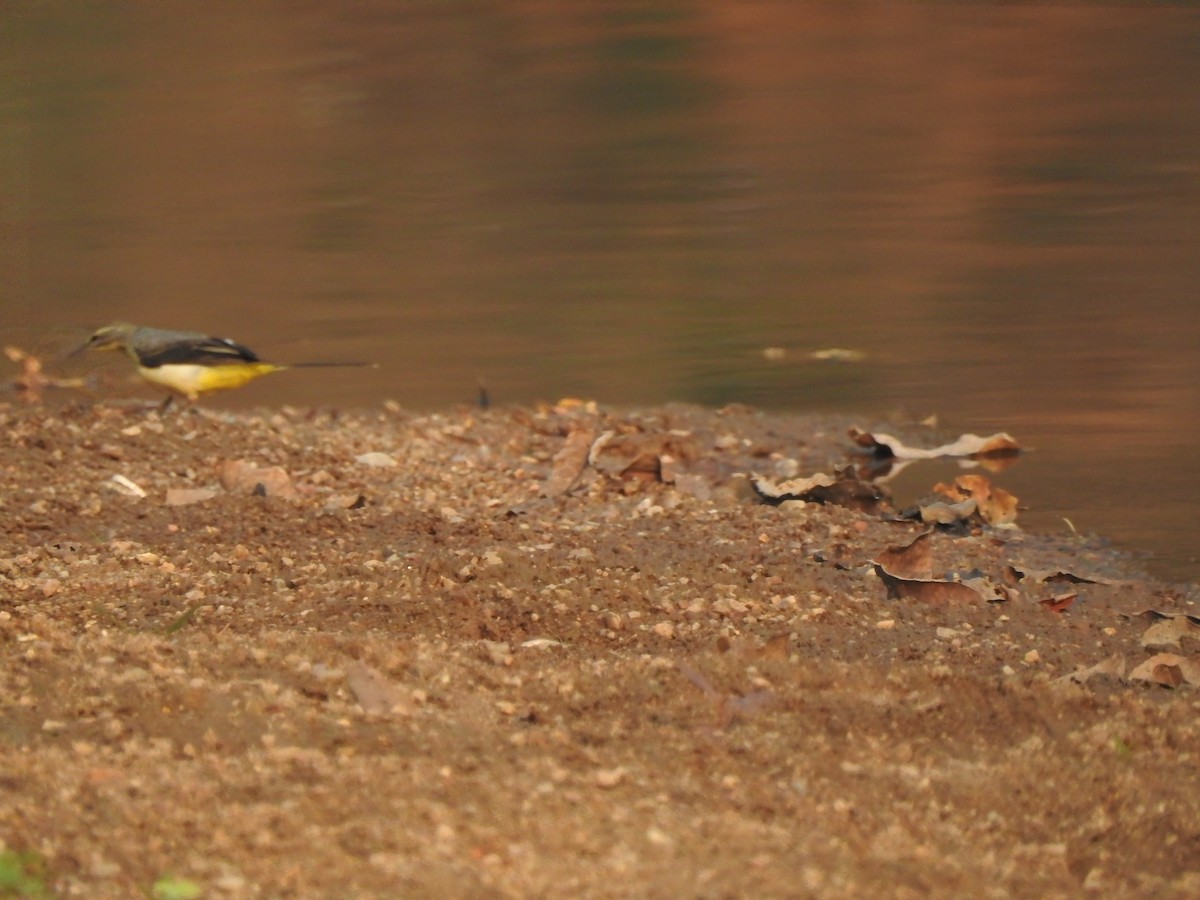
(306, 654)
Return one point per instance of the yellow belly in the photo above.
(192, 380)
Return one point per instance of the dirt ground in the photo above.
(396, 668)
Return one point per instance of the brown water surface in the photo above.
(998, 205)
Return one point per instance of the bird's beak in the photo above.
(97, 341)
(84, 346)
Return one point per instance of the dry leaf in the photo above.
(569, 462)
(931, 591)
(643, 455)
(843, 489)
(946, 513)
(996, 506)
(1170, 632)
(969, 445)
(1059, 602)
(794, 489)
(1013, 574)
(1168, 669)
(912, 560)
(1114, 666)
(1151, 614)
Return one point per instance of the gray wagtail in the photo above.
(188, 362)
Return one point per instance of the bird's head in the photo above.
(110, 337)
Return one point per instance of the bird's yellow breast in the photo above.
(193, 380)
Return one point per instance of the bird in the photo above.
(189, 363)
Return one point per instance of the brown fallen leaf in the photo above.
(969, 445)
(939, 513)
(632, 453)
(1168, 675)
(911, 560)
(774, 492)
(996, 506)
(569, 462)
(1015, 573)
(1059, 602)
(1170, 632)
(1152, 614)
(1113, 667)
(931, 591)
(844, 488)
(374, 693)
(1168, 669)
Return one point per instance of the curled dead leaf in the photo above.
(1113, 667)
(641, 455)
(931, 591)
(1168, 669)
(969, 445)
(1016, 573)
(945, 514)
(911, 560)
(843, 489)
(1059, 602)
(995, 505)
(1170, 632)
(1153, 614)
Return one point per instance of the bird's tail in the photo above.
(330, 365)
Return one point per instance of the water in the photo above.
(996, 204)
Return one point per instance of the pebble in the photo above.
(610, 778)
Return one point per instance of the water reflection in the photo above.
(997, 204)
